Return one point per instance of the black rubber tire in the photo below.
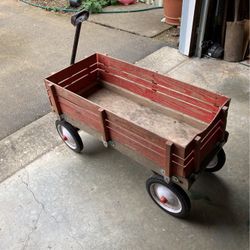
(178, 191)
(73, 133)
(221, 159)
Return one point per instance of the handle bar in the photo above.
(77, 20)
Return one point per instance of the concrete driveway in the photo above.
(34, 43)
(97, 199)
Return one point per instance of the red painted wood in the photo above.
(208, 147)
(166, 90)
(76, 99)
(105, 131)
(197, 158)
(211, 131)
(172, 103)
(80, 115)
(182, 161)
(179, 86)
(168, 159)
(81, 84)
(133, 128)
(127, 75)
(190, 100)
(127, 67)
(147, 135)
(73, 69)
(189, 168)
(54, 99)
(177, 170)
(137, 137)
(140, 148)
(182, 107)
(78, 76)
(216, 133)
(190, 90)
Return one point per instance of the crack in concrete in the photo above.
(26, 183)
(33, 229)
(43, 209)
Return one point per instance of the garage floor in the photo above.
(97, 199)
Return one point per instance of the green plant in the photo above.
(95, 6)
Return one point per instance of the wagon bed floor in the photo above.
(146, 117)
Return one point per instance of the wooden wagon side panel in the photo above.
(137, 73)
(73, 70)
(155, 95)
(146, 143)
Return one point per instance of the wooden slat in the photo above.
(135, 136)
(76, 99)
(183, 107)
(187, 99)
(122, 83)
(79, 108)
(177, 170)
(190, 90)
(179, 86)
(118, 72)
(160, 88)
(208, 147)
(210, 138)
(105, 130)
(182, 161)
(54, 99)
(78, 76)
(159, 98)
(82, 83)
(73, 69)
(132, 144)
(132, 69)
(189, 168)
(197, 159)
(133, 128)
(78, 114)
(211, 131)
(168, 158)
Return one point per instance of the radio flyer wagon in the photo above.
(175, 129)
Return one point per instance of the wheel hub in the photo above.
(67, 137)
(163, 200)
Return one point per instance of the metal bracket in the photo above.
(175, 179)
(166, 178)
(105, 143)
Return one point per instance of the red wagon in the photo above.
(173, 128)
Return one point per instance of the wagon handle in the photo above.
(77, 20)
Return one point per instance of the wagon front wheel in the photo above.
(217, 162)
(169, 197)
(69, 135)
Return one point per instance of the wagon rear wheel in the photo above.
(217, 162)
(169, 197)
(69, 135)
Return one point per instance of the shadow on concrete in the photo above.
(211, 203)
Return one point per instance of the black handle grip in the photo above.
(79, 17)
(77, 20)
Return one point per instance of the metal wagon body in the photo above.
(171, 127)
